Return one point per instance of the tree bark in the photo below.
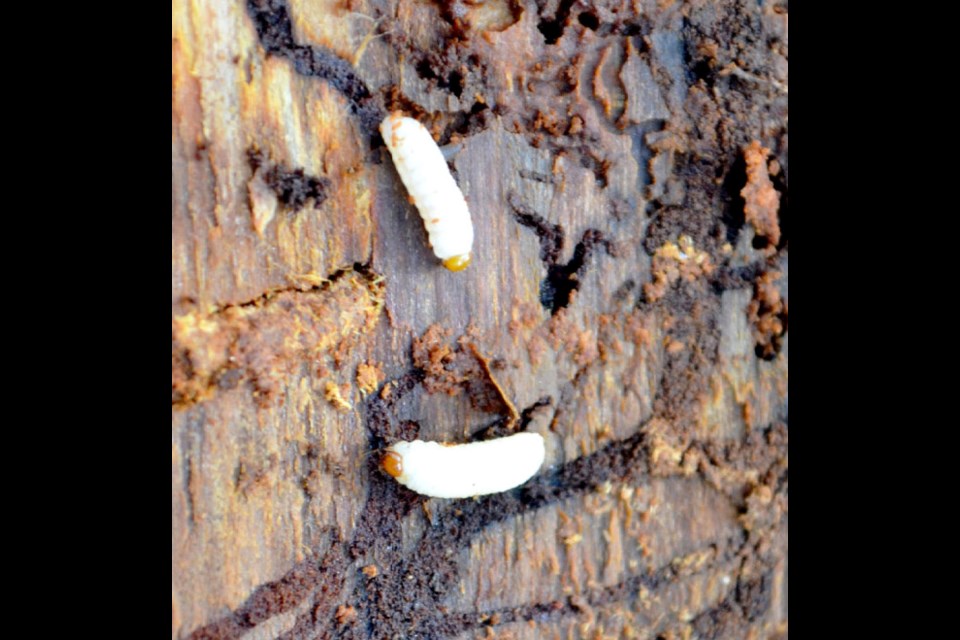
(625, 165)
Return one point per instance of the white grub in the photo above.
(432, 189)
(465, 470)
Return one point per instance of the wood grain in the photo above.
(618, 296)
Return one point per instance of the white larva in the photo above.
(465, 470)
(432, 189)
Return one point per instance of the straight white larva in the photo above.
(465, 470)
(432, 189)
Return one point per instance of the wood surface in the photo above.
(625, 164)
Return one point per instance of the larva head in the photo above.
(392, 463)
(457, 263)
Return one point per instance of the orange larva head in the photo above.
(457, 263)
(392, 463)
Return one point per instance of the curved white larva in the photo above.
(432, 189)
(465, 470)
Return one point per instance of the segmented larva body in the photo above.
(465, 470)
(432, 189)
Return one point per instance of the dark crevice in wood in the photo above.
(729, 278)
(551, 236)
(732, 215)
(783, 212)
(271, 19)
(625, 590)
(293, 187)
(563, 280)
(552, 25)
(325, 575)
(589, 19)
